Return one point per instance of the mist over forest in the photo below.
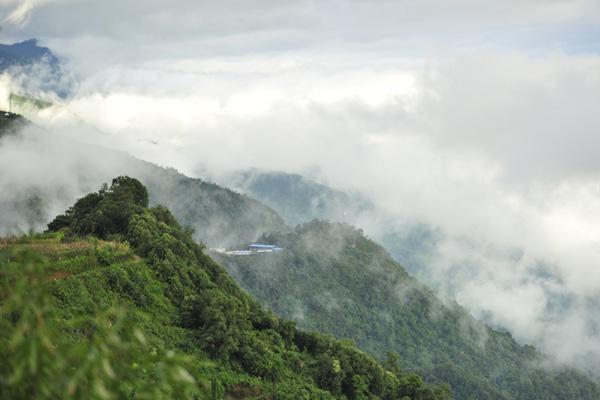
(461, 140)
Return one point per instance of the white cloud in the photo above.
(21, 11)
(494, 146)
(449, 162)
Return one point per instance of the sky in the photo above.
(477, 118)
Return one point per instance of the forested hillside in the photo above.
(296, 198)
(333, 279)
(117, 301)
(219, 216)
(10, 123)
(299, 199)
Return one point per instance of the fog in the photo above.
(478, 122)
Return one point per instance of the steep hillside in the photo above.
(296, 198)
(219, 216)
(93, 310)
(24, 53)
(333, 279)
(10, 123)
(299, 199)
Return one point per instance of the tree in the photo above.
(40, 362)
(106, 212)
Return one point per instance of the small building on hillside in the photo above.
(263, 248)
(253, 248)
(239, 253)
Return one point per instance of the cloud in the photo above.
(521, 110)
(147, 30)
(443, 116)
(475, 153)
(21, 11)
(5, 91)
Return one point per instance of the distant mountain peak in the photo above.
(36, 70)
(27, 49)
(26, 43)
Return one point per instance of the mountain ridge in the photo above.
(110, 249)
(36, 72)
(333, 279)
(220, 216)
(181, 191)
(296, 198)
(25, 52)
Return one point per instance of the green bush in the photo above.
(113, 362)
(185, 299)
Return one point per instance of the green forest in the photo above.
(332, 279)
(299, 200)
(117, 301)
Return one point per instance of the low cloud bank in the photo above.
(492, 148)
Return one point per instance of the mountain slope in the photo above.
(24, 53)
(299, 199)
(35, 71)
(296, 198)
(331, 278)
(11, 123)
(219, 216)
(109, 251)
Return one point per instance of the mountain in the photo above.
(25, 53)
(310, 281)
(35, 71)
(219, 216)
(331, 278)
(422, 250)
(299, 199)
(10, 123)
(117, 301)
(296, 198)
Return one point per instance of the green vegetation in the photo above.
(10, 123)
(332, 279)
(18, 103)
(219, 216)
(117, 301)
(298, 199)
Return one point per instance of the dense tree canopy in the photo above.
(105, 212)
(181, 298)
(332, 279)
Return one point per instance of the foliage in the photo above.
(18, 102)
(105, 212)
(40, 362)
(10, 123)
(298, 199)
(219, 216)
(332, 279)
(177, 298)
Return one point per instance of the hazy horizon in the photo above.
(477, 119)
